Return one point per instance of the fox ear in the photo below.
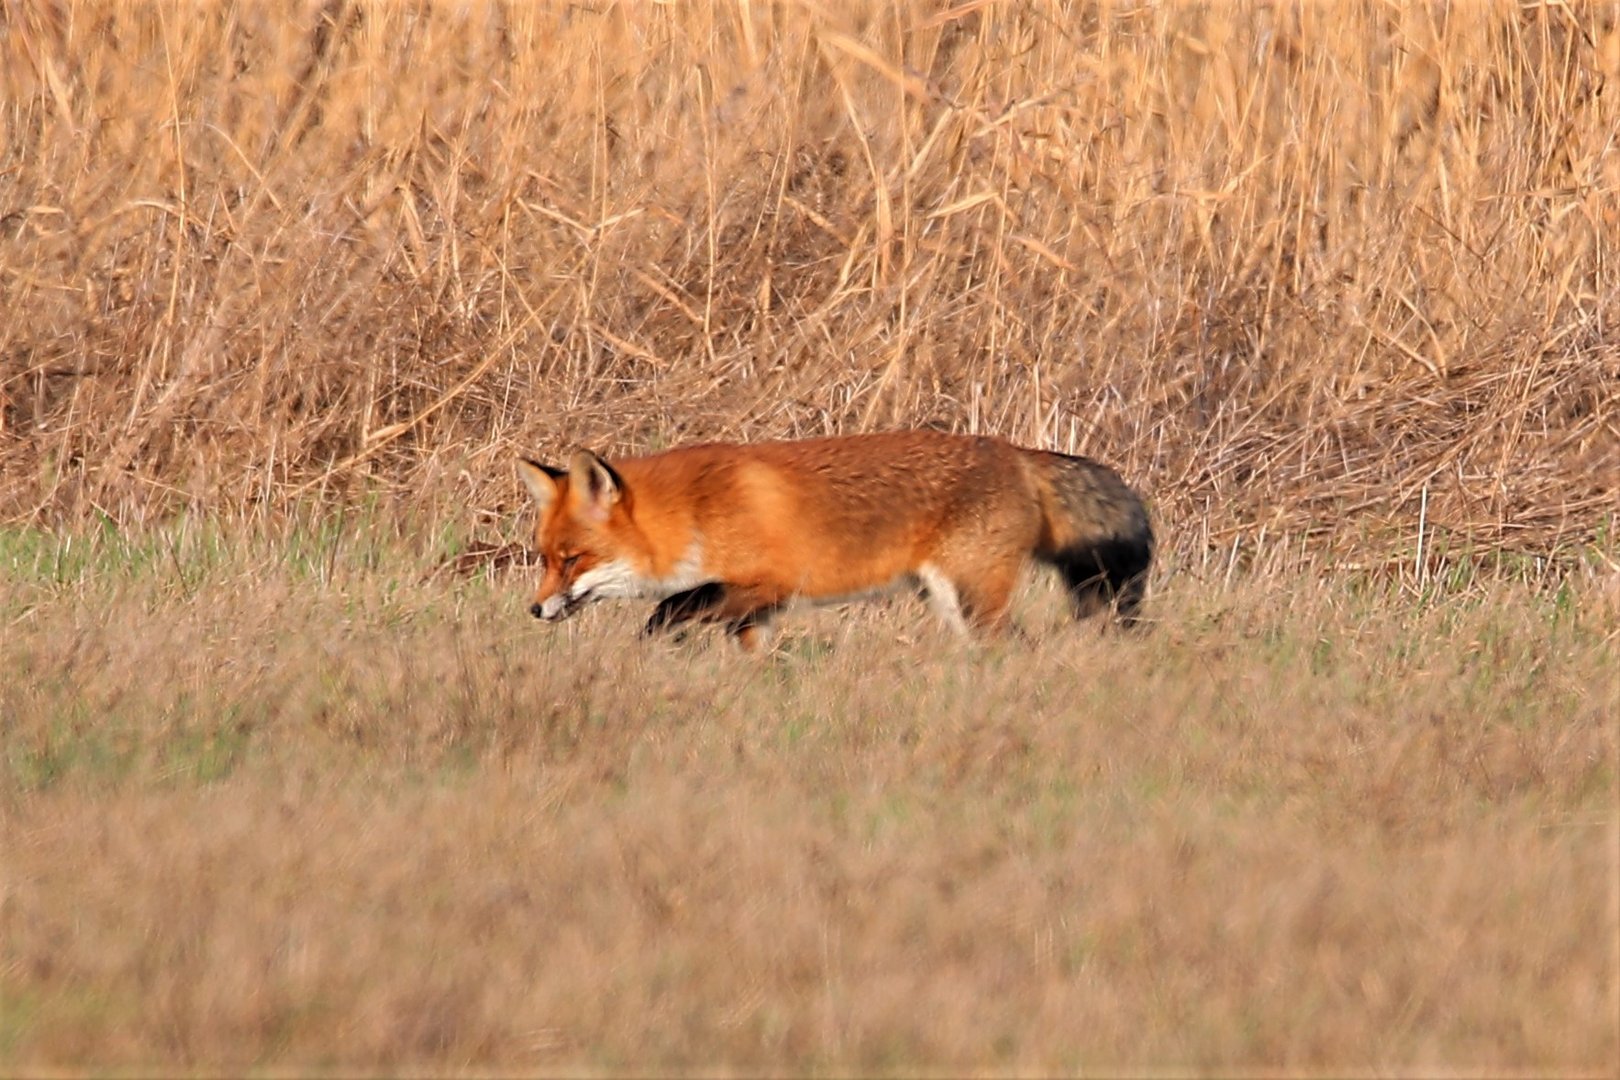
(599, 486)
(541, 480)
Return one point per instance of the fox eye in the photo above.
(568, 564)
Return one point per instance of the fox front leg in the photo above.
(745, 611)
(673, 612)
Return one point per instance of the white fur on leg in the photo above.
(942, 597)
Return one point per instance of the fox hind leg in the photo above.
(987, 604)
(943, 597)
(980, 601)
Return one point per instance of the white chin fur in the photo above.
(619, 579)
(611, 579)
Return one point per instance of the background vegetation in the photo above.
(290, 781)
(1289, 266)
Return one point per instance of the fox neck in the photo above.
(622, 578)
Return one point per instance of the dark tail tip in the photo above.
(1108, 574)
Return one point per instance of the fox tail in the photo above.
(1095, 532)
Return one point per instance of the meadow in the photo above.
(276, 802)
(290, 782)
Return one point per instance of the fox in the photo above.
(733, 533)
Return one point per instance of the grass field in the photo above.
(289, 781)
(282, 802)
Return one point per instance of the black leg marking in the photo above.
(683, 607)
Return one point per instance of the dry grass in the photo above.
(271, 803)
(1291, 267)
(1335, 284)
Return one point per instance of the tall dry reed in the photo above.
(1307, 272)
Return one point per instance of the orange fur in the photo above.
(731, 533)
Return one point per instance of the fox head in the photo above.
(583, 534)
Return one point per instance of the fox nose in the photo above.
(550, 609)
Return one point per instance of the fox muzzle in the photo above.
(551, 608)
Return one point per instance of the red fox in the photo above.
(732, 533)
